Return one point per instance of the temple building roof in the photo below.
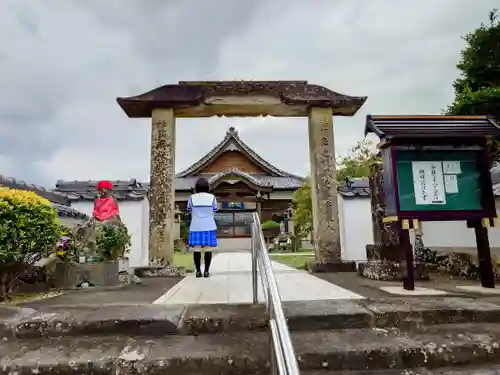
(58, 200)
(264, 175)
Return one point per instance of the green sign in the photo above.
(438, 180)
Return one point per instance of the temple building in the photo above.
(241, 179)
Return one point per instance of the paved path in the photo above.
(231, 282)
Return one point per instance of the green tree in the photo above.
(357, 163)
(302, 212)
(477, 90)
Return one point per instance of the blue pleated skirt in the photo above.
(206, 238)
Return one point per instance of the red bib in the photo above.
(105, 208)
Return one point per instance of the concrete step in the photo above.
(160, 320)
(247, 352)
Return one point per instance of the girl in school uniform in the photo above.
(202, 231)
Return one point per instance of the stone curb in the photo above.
(159, 320)
(140, 320)
(248, 353)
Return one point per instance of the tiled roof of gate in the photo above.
(299, 94)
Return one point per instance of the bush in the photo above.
(28, 225)
(184, 231)
(29, 230)
(270, 225)
(113, 241)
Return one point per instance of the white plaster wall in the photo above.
(145, 233)
(355, 228)
(131, 215)
(356, 232)
(341, 208)
(451, 235)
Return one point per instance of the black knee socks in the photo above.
(197, 260)
(208, 260)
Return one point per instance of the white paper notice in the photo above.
(451, 167)
(428, 182)
(451, 183)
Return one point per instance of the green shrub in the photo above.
(270, 225)
(113, 241)
(29, 229)
(184, 231)
(28, 224)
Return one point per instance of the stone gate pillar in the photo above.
(162, 189)
(326, 232)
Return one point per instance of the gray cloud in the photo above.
(62, 64)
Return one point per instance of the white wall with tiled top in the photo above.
(445, 236)
(131, 213)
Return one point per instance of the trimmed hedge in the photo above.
(29, 229)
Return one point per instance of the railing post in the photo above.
(255, 287)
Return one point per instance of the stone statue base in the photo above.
(390, 252)
(390, 271)
(160, 271)
(342, 266)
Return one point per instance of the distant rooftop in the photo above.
(58, 200)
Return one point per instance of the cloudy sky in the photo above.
(64, 62)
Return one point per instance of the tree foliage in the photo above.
(302, 212)
(355, 165)
(477, 90)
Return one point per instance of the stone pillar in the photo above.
(326, 228)
(162, 189)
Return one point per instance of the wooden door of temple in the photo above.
(234, 223)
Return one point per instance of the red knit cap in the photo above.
(105, 184)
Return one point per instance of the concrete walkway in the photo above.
(231, 282)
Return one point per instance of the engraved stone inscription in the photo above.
(325, 206)
(162, 193)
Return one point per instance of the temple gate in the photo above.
(243, 99)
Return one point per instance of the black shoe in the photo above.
(198, 274)
(206, 274)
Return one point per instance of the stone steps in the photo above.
(159, 320)
(247, 352)
(446, 336)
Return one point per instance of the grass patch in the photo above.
(297, 260)
(185, 260)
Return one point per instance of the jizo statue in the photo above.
(105, 207)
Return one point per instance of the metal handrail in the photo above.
(283, 359)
